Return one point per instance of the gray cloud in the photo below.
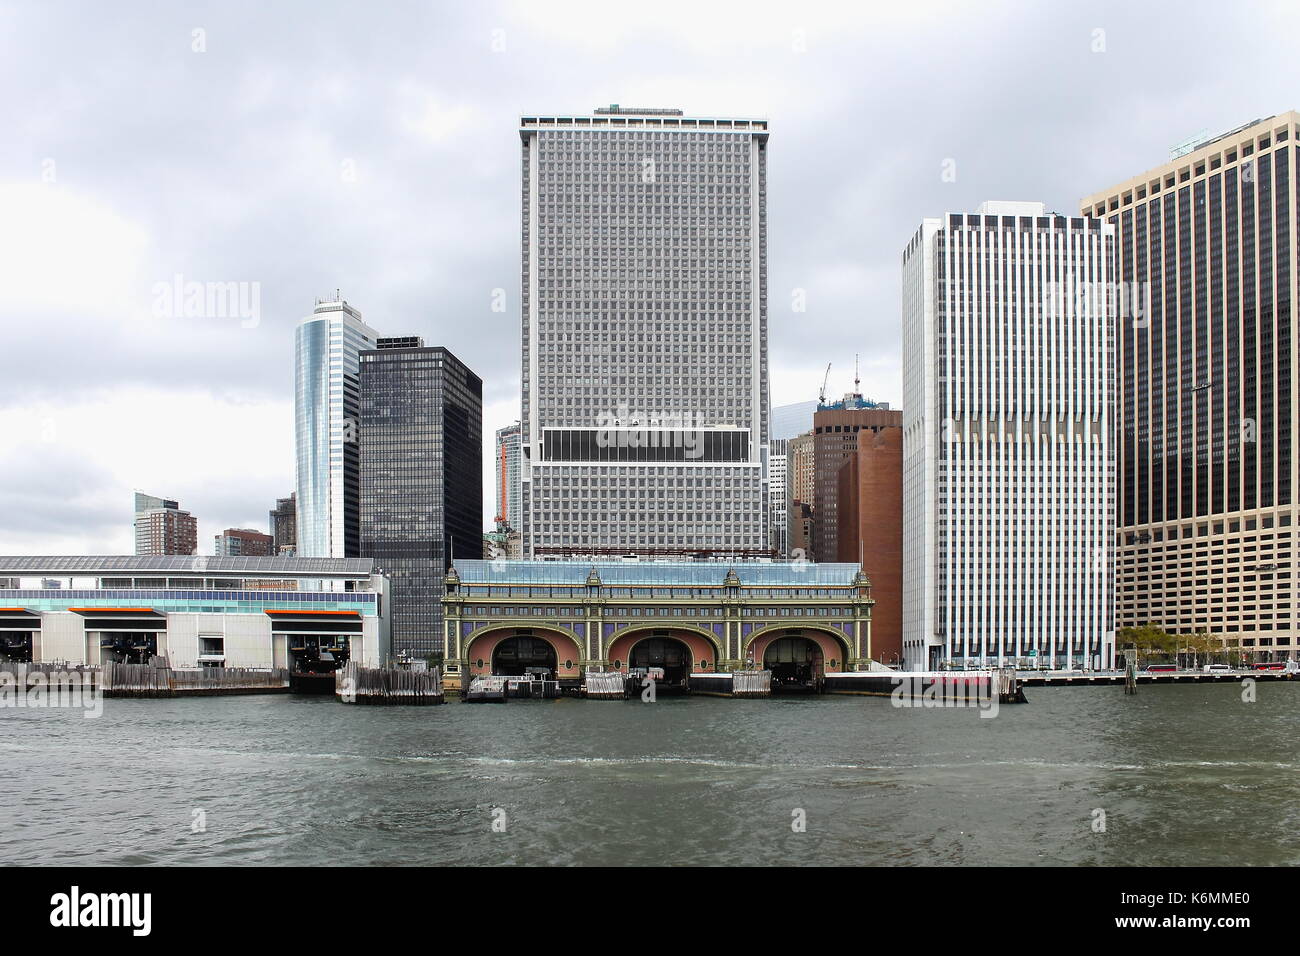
(232, 161)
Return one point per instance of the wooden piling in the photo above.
(354, 684)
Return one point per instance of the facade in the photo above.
(799, 474)
(870, 514)
(509, 513)
(835, 441)
(644, 282)
(161, 527)
(195, 611)
(791, 420)
(421, 478)
(234, 542)
(801, 531)
(326, 352)
(284, 525)
(1207, 259)
(778, 507)
(1008, 462)
(566, 616)
(247, 542)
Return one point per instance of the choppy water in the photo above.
(1185, 775)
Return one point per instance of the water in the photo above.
(1185, 774)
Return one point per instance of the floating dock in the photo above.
(970, 687)
(487, 690)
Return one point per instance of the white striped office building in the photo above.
(1008, 461)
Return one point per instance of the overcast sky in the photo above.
(372, 148)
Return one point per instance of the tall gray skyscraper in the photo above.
(1208, 430)
(645, 390)
(1008, 462)
(421, 430)
(325, 421)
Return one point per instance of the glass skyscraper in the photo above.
(421, 431)
(326, 351)
(1207, 252)
(645, 389)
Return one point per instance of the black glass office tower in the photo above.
(1205, 350)
(421, 441)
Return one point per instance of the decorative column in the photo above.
(731, 615)
(454, 662)
(593, 650)
(862, 605)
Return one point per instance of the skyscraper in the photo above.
(507, 478)
(835, 441)
(791, 420)
(325, 419)
(778, 507)
(284, 525)
(869, 514)
(1008, 463)
(161, 527)
(421, 478)
(1207, 254)
(644, 278)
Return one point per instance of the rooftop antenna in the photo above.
(857, 382)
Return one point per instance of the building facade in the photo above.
(567, 616)
(799, 475)
(284, 525)
(509, 514)
(835, 441)
(1207, 260)
(791, 420)
(645, 391)
(326, 352)
(248, 542)
(161, 527)
(231, 612)
(421, 478)
(870, 515)
(778, 505)
(1008, 460)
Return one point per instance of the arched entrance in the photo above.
(521, 651)
(662, 654)
(516, 656)
(794, 661)
(799, 658)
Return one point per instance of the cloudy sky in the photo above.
(372, 148)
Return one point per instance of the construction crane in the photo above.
(825, 379)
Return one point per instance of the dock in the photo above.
(487, 690)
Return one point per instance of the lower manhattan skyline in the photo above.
(600, 439)
(833, 285)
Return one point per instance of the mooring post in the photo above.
(1130, 670)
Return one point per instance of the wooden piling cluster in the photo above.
(605, 685)
(66, 675)
(751, 684)
(354, 684)
(145, 680)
